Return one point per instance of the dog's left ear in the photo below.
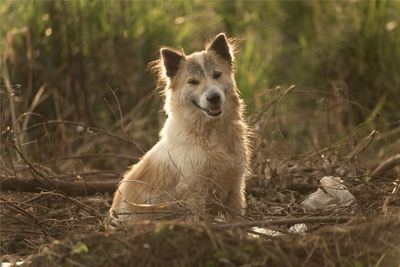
(221, 46)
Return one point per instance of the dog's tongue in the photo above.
(214, 109)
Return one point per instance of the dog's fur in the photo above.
(202, 157)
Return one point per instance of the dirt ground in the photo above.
(52, 229)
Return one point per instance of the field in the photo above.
(79, 104)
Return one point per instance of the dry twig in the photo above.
(338, 219)
(386, 165)
(78, 188)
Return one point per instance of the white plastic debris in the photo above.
(335, 193)
(220, 217)
(298, 228)
(258, 231)
(7, 264)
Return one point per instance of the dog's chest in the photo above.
(192, 162)
(186, 161)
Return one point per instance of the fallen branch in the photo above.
(338, 219)
(52, 185)
(257, 191)
(386, 166)
(362, 145)
(302, 187)
(78, 188)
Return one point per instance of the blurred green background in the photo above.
(86, 62)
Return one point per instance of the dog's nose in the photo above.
(214, 98)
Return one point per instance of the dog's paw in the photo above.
(112, 222)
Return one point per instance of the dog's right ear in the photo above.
(171, 60)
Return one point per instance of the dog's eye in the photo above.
(216, 74)
(193, 81)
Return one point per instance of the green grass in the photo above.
(348, 51)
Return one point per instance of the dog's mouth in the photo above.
(214, 111)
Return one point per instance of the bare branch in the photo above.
(78, 188)
(338, 219)
(386, 165)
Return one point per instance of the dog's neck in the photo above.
(178, 129)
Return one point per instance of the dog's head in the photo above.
(200, 84)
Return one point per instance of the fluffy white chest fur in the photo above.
(180, 151)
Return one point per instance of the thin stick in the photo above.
(54, 186)
(73, 123)
(362, 145)
(338, 219)
(13, 112)
(88, 156)
(386, 165)
(78, 188)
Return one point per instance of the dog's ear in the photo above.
(221, 46)
(171, 60)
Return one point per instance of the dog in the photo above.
(201, 160)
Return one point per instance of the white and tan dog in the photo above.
(202, 157)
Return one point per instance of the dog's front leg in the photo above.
(193, 198)
(235, 203)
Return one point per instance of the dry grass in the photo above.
(54, 228)
(370, 244)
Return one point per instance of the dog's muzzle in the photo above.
(213, 111)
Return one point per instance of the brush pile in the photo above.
(48, 223)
